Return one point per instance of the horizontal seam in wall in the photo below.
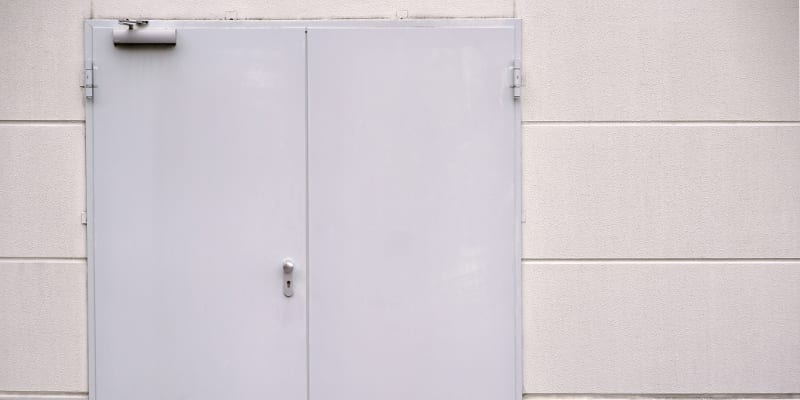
(36, 395)
(43, 122)
(43, 392)
(43, 396)
(42, 259)
(667, 395)
(664, 123)
(657, 260)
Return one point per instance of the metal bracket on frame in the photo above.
(516, 79)
(131, 23)
(88, 81)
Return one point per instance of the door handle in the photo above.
(288, 272)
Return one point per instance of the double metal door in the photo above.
(292, 211)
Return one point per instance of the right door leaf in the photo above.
(413, 213)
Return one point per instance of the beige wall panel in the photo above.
(669, 327)
(43, 326)
(42, 190)
(41, 61)
(615, 191)
(660, 60)
(645, 191)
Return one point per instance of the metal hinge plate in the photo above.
(516, 79)
(88, 82)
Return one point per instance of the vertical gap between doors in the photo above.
(308, 253)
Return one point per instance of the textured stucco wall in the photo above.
(661, 146)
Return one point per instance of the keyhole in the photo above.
(289, 284)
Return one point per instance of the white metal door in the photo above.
(197, 166)
(197, 154)
(413, 212)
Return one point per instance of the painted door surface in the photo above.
(199, 194)
(413, 169)
(386, 154)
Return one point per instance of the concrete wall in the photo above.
(661, 188)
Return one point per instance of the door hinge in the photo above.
(516, 79)
(88, 81)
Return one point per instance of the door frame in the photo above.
(514, 23)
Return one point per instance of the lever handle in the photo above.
(288, 271)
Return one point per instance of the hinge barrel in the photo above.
(516, 79)
(88, 82)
